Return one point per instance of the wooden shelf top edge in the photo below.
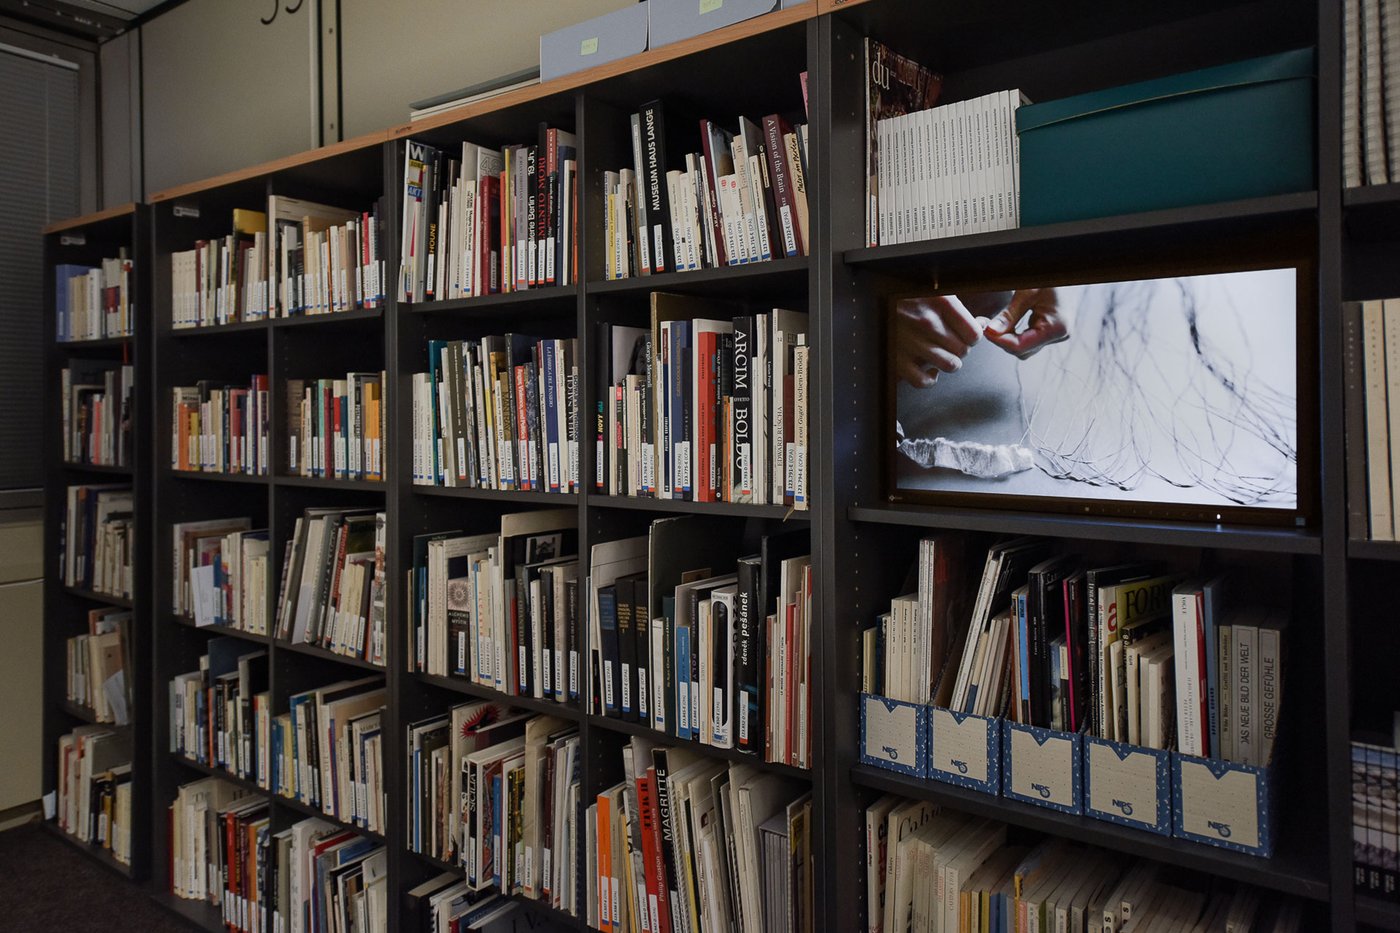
(470, 688)
(550, 293)
(1373, 550)
(691, 507)
(331, 482)
(122, 602)
(1270, 206)
(1371, 195)
(1108, 528)
(333, 317)
(271, 166)
(523, 496)
(1285, 871)
(758, 25)
(95, 342)
(84, 220)
(316, 651)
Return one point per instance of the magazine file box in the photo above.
(1234, 131)
(674, 20)
(964, 749)
(1041, 766)
(1128, 784)
(595, 41)
(1223, 804)
(894, 735)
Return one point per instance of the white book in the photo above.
(876, 826)
(1188, 632)
(1269, 687)
(1378, 472)
(1132, 659)
(1373, 93)
(1245, 668)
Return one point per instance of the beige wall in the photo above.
(21, 662)
(440, 46)
(221, 90)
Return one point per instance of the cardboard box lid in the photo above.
(1285, 66)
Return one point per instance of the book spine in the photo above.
(658, 203)
(790, 235)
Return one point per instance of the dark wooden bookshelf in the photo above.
(862, 543)
(212, 476)
(644, 731)
(110, 469)
(98, 854)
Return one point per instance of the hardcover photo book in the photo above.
(1166, 397)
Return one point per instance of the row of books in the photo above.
(222, 574)
(94, 302)
(99, 402)
(336, 427)
(334, 589)
(97, 666)
(702, 641)
(219, 715)
(446, 902)
(311, 876)
(1375, 820)
(493, 220)
(1370, 93)
(93, 799)
(501, 413)
(496, 792)
(1373, 418)
(217, 427)
(949, 170)
(1130, 652)
(500, 608)
(296, 258)
(742, 198)
(685, 842)
(929, 869)
(98, 540)
(709, 405)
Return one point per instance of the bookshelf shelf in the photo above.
(1298, 866)
(202, 915)
(1374, 550)
(212, 477)
(110, 469)
(250, 786)
(326, 482)
(727, 754)
(215, 330)
(316, 651)
(1378, 913)
(188, 622)
(467, 688)
(86, 714)
(1128, 531)
(686, 507)
(557, 297)
(96, 343)
(352, 318)
(788, 273)
(1119, 236)
(524, 496)
(1372, 212)
(98, 854)
(97, 597)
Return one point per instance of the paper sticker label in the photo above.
(892, 734)
(1124, 787)
(72, 239)
(709, 6)
(960, 748)
(1044, 771)
(588, 46)
(1225, 808)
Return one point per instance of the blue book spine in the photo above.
(685, 729)
(607, 626)
(1022, 648)
(498, 821)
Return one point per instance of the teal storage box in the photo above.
(1220, 134)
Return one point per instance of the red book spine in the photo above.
(703, 481)
(522, 430)
(774, 129)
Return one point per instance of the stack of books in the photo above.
(93, 803)
(741, 198)
(500, 609)
(99, 540)
(708, 405)
(99, 402)
(676, 816)
(334, 590)
(336, 427)
(703, 642)
(489, 220)
(498, 413)
(94, 302)
(928, 869)
(1370, 93)
(220, 428)
(97, 664)
(1372, 367)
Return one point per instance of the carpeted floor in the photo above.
(46, 886)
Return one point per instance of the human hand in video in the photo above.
(931, 335)
(1040, 309)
